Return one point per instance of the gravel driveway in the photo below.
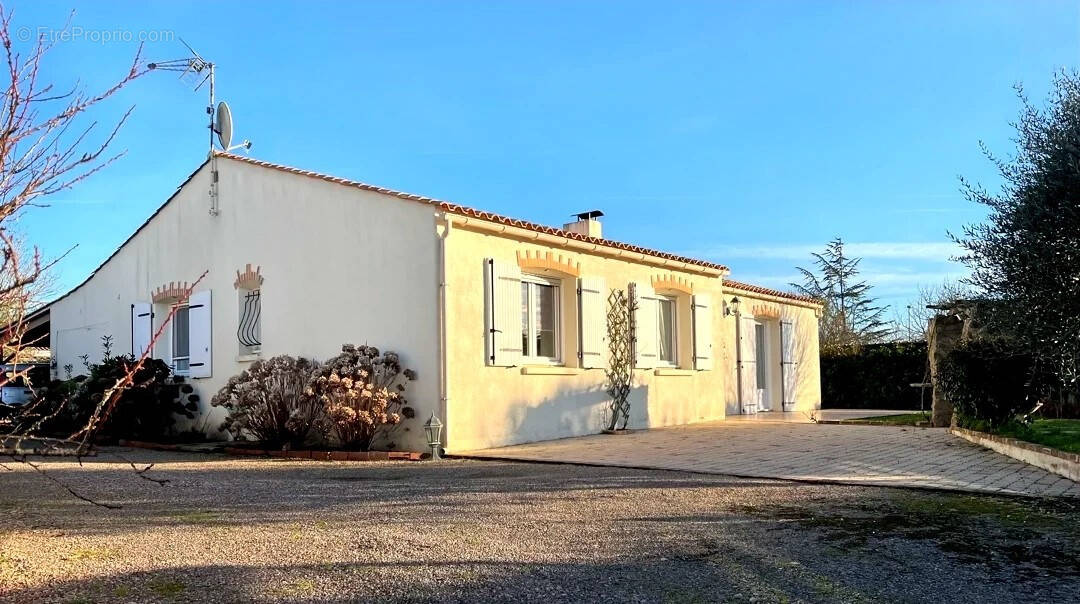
(227, 530)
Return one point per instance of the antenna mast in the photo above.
(195, 68)
(190, 69)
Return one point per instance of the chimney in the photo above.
(587, 224)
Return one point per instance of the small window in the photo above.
(539, 320)
(666, 334)
(181, 343)
(249, 329)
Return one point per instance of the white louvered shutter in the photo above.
(502, 310)
(748, 390)
(788, 364)
(645, 327)
(200, 334)
(142, 327)
(703, 339)
(592, 322)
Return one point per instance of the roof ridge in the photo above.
(456, 208)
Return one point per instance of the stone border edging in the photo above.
(291, 454)
(1040, 456)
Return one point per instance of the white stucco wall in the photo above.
(772, 310)
(491, 406)
(340, 265)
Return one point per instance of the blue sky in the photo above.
(748, 134)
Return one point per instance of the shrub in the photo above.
(362, 392)
(270, 401)
(145, 411)
(877, 376)
(987, 380)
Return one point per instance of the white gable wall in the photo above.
(340, 265)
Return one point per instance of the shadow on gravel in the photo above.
(447, 528)
(710, 575)
(1029, 537)
(219, 491)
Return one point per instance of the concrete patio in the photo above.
(928, 458)
(807, 417)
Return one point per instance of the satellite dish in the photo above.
(223, 125)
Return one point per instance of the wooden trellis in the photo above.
(620, 370)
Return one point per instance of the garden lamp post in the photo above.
(433, 428)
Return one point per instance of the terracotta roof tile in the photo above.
(454, 208)
(767, 291)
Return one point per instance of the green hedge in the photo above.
(877, 376)
(989, 381)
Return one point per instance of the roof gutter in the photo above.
(583, 246)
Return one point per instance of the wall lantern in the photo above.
(433, 428)
(732, 307)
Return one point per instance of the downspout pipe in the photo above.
(443, 228)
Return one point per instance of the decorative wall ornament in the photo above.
(766, 311)
(249, 279)
(672, 282)
(172, 293)
(548, 261)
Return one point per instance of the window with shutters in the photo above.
(181, 341)
(667, 331)
(540, 327)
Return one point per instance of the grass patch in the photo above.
(903, 419)
(1040, 536)
(297, 589)
(167, 588)
(92, 553)
(950, 509)
(1060, 434)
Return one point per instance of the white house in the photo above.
(503, 320)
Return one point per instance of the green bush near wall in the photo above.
(989, 382)
(876, 376)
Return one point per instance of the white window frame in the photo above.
(530, 302)
(172, 341)
(674, 301)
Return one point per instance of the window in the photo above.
(539, 319)
(181, 342)
(249, 329)
(666, 339)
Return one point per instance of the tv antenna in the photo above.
(196, 69)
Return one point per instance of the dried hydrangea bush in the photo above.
(363, 393)
(270, 401)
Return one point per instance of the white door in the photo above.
(749, 398)
(761, 366)
(788, 364)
